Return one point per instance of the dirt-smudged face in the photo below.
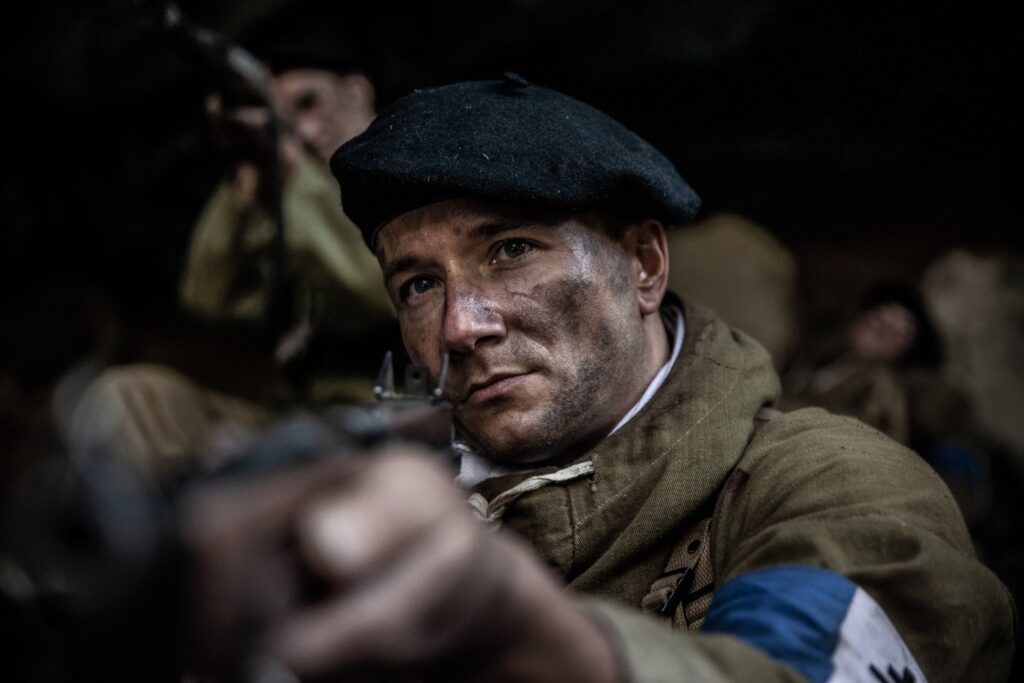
(541, 322)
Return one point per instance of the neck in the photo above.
(658, 347)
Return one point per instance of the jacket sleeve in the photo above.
(650, 652)
(227, 269)
(223, 279)
(839, 556)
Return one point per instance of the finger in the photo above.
(252, 117)
(220, 510)
(214, 105)
(229, 527)
(399, 496)
(410, 613)
(236, 535)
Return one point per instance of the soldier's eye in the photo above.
(307, 101)
(512, 249)
(416, 286)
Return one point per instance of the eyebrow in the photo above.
(399, 265)
(492, 228)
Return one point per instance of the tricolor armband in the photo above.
(816, 621)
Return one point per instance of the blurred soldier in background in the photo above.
(886, 368)
(338, 320)
(320, 100)
(978, 301)
(865, 371)
(978, 304)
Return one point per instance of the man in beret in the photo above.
(621, 438)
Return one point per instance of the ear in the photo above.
(359, 90)
(647, 249)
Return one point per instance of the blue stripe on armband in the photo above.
(814, 620)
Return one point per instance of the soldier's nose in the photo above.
(470, 320)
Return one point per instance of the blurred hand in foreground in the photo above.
(374, 568)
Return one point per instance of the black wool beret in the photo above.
(505, 141)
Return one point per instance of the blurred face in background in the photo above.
(885, 332)
(324, 110)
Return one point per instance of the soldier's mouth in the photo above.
(493, 387)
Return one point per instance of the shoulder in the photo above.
(811, 460)
(817, 492)
(822, 486)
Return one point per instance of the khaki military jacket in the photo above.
(805, 502)
(228, 269)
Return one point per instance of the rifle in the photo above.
(243, 80)
(97, 567)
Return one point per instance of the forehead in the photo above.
(296, 81)
(467, 220)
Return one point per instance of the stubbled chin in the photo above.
(508, 436)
